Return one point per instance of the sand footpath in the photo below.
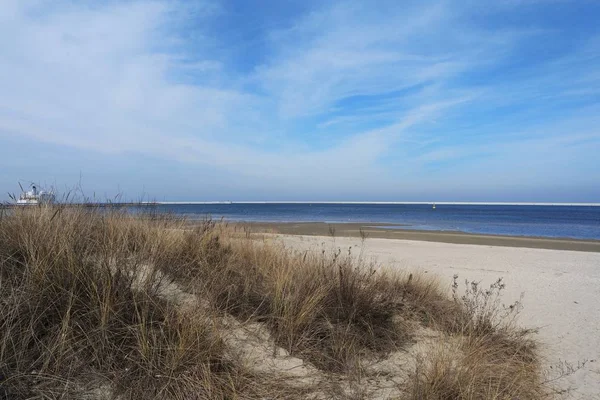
(561, 290)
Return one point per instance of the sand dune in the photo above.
(561, 291)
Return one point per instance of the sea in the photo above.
(554, 221)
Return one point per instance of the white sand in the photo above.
(562, 291)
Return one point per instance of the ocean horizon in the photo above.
(381, 202)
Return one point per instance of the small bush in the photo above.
(478, 367)
(487, 356)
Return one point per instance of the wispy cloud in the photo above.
(343, 92)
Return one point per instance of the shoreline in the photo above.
(380, 231)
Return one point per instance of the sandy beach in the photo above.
(561, 287)
(391, 231)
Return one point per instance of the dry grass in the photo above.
(83, 312)
(74, 313)
(326, 310)
(485, 356)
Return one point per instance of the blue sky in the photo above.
(278, 100)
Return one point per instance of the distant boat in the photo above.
(433, 206)
(34, 197)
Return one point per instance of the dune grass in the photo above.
(74, 314)
(488, 357)
(85, 313)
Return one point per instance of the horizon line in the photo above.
(377, 202)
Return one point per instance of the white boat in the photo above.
(35, 197)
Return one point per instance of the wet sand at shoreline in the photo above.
(383, 231)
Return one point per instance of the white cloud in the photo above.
(93, 77)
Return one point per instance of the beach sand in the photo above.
(561, 287)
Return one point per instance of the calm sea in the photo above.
(582, 222)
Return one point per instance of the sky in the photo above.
(204, 100)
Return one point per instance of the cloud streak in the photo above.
(343, 95)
